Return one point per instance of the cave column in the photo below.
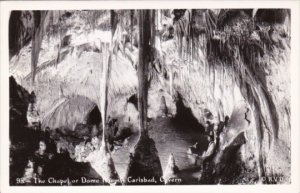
(144, 162)
(144, 22)
(101, 160)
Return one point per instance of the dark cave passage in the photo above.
(94, 117)
(185, 118)
(134, 100)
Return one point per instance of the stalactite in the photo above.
(131, 27)
(37, 37)
(114, 21)
(60, 37)
(106, 63)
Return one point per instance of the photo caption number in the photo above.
(20, 181)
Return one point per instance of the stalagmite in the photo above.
(171, 171)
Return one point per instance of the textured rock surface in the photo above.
(69, 112)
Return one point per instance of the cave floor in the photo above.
(169, 138)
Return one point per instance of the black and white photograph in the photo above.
(101, 97)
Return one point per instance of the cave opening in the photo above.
(94, 117)
(185, 118)
(134, 100)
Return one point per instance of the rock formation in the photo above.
(171, 171)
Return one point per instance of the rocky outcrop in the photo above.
(24, 141)
(21, 23)
(19, 99)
